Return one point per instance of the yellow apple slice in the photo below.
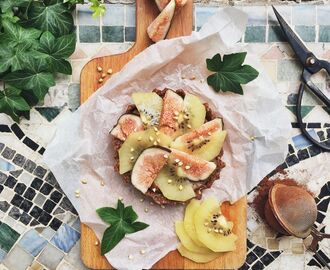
(197, 257)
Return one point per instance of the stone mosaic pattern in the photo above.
(37, 222)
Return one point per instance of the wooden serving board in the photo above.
(182, 24)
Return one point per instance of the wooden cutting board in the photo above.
(182, 25)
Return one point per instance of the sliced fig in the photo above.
(173, 187)
(136, 143)
(149, 106)
(161, 4)
(191, 167)
(127, 124)
(170, 116)
(147, 167)
(158, 29)
(205, 142)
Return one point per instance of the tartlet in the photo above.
(168, 144)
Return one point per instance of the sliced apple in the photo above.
(197, 257)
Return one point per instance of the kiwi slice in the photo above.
(173, 187)
(135, 143)
(149, 106)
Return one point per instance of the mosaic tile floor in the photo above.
(38, 223)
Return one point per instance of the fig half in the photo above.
(147, 167)
(127, 124)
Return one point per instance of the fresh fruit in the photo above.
(169, 119)
(191, 167)
(149, 106)
(197, 257)
(147, 167)
(186, 241)
(173, 187)
(194, 112)
(127, 124)
(212, 228)
(188, 221)
(136, 143)
(158, 29)
(205, 142)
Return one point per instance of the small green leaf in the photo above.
(108, 214)
(7, 5)
(111, 237)
(129, 214)
(120, 208)
(230, 73)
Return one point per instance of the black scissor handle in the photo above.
(306, 77)
(300, 121)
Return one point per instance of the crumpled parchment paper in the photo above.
(81, 148)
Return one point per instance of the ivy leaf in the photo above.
(54, 18)
(97, 7)
(12, 103)
(57, 49)
(37, 78)
(7, 5)
(230, 72)
(121, 220)
(15, 35)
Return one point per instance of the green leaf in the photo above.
(129, 214)
(122, 222)
(15, 35)
(139, 226)
(230, 73)
(108, 214)
(111, 237)
(56, 18)
(36, 78)
(98, 8)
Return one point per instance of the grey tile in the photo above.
(1, 146)
(130, 33)
(130, 19)
(257, 15)
(203, 14)
(306, 33)
(275, 34)
(40, 172)
(89, 34)
(19, 160)
(32, 242)
(74, 96)
(3, 177)
(8, 153)
(29, 166)
(50, 257)
(304, 15)
(323, 15)
(324, 33)
(16, 173)
(112, 33)
(85, 15)
(114, 15)
(25, 259)
(39, 199)
(255, 34)
(74, 258)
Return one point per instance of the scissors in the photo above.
(311, 65)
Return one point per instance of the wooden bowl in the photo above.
(290, 210)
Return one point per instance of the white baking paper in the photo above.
(81, 148)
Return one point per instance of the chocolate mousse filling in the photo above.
(153, 192)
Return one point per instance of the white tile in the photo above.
(20, 228)
(288, 261)
(74, 257)
(25, 259)
(7, 194)
(9, 221)
(257, 15)
(114, 15)
(65, 266)
(48, 233)
(26, 178)
(84, 16)
(130, 19)
(285, 11)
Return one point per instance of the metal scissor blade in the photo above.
(296, 43)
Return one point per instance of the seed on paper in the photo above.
(130, 256)
(142, 251)
(146, 210)
(102, 183)
(84, 182)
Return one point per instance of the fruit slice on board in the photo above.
(127, 124)
(169, 119)
(149, 106)
(158, 29)
(191, 167)
(147, 167)
(197, 257)
(173, 187)
(136, 143)
(188, 221)
(186, 240)
(212, 228)
(205, 142)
